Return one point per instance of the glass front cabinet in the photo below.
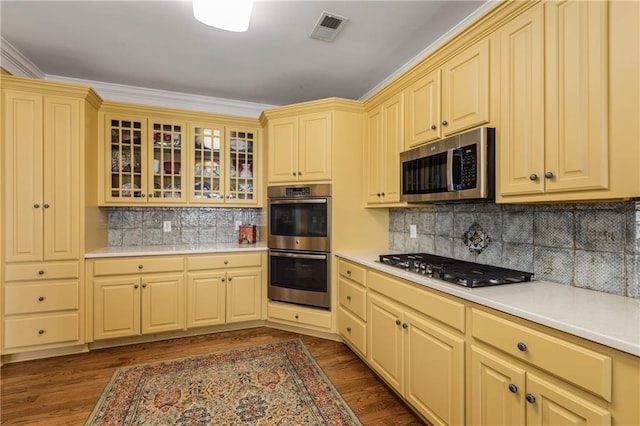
(167, 162)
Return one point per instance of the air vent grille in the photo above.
(328, 26)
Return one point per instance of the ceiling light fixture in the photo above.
(230, 15)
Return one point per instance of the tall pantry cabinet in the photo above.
(45, 127)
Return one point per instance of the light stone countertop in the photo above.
(603, 318)
(178, 249)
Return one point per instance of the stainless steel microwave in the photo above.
(458, 168)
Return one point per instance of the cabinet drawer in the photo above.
(422, 299)
(216, 261)
(352, 271)
(42, 271)
(135, 265)
(352, 297)
(581, 366)
(43, 330)
(300, 315)
(353, 330)
(44, 297)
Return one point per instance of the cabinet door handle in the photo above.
(299, 173)
(398, 322)
(46, 206)
(41, 299)
(378, 194)
(522, 347)
(229, 279)
(405, 325)
(348, 271)
(136, 286)
(36, 206)
(433, 127)
(349, 298)
(533, 177)
(142, 195)
(222, 279)
(348, 329)
(41, 331)
(548, 175)
(445, 123)
(144, 285)
(294, 173)
(41, 272)
(513, 388)
(297, 317)
(530, 398)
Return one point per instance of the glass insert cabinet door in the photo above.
(240, 168)
(166, 167)
(128, 158)
(207, 184)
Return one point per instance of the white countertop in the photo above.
(600, 317)
(161, 250)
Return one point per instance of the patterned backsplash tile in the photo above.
(589, 245)
(144, 226)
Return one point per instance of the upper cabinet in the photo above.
(555, 134)
(300, 148)
(449, 99)
(185, 160)
(383, 143)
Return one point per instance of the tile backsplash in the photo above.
(589, 245)
(144, 226)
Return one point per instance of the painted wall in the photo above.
(589, 245)
(144, 226)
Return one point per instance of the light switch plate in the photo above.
(413, 231)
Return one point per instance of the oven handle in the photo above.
(299, 255)
(299, 201)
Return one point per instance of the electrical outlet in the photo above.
(166, 226)
(413, 231)
(238, 223)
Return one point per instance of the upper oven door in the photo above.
(300, 224)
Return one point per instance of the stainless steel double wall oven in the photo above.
(299, 239)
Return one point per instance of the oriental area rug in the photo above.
(274, 384)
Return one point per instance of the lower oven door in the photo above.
(299, 277)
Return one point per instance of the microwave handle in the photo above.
(454, 163)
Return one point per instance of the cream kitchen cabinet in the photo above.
(555, 134)
(384, 141)
(300, 148)
(449, 99)
(224, 288)
(137, 295)
(509, 384)
(420, 357)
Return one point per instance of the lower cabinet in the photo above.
(504, 392)
(421, 360)
(139, 304)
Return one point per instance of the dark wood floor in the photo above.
(63, 390)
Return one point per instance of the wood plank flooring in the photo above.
(63, 390)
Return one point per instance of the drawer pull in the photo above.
(296, 317)
(513, 388)
(41, 332)
(140, 267)
(348, 271)
(398, 322)
(41, 299)
(522, 347)
(226, 262)
(530, 398)
(41, 272)
(349, 329)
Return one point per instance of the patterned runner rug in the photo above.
(274, 384)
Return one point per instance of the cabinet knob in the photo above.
(294, 173)
(348, 329)
(150, 195)
(143, 195)
(530, 398)
(140, 267)
(548, 175)
(513, 388)
(46, 205)
(41, 272)
(349, 298)
(144, 285)
(522, 347)
(433, 127)
(382, 194)
(222, 279)
(41, 332)
(405, 325)
(229, 279)
(136, 286)
(533, 176)
(36, 206)
(378, 194)
(226, 262)
(297, 317)
(41, 299)
(398, 322)
(299, 173)
(348, 271)
(445, 123)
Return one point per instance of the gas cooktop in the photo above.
(461, 272)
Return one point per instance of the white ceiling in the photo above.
(159, 45)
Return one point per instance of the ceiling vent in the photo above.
(328, 26)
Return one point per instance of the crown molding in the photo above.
(431, 48)
(16, 63)
(168, 99)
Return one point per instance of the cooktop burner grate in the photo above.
(461, 272)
